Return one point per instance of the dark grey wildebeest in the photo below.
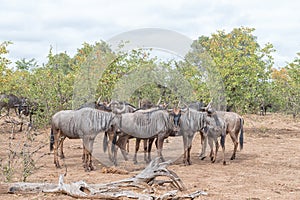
(121, 139)
(83, 124)
(188, 121)
(216, 127)
(12, 101)
(116, 136)
(234, 127)
(145, 125)
(20, 105)
(264, 107)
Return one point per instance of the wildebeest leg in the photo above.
(21, 126)
(235, 143)
(122, 143)
(61, 146)
(56, 134)
(190, 140)
(107, 143)
(149, 148)
(145, 143)
(137, 146)
(88, 143)
(223, 136)
(84, 156)
(185, 146)
(189, 162)
(202, 155)
(160, 143)
(216, 150)
(211, 145)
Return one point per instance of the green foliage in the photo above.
(286, 87)
(233, 64)
(23, 64)
(5, 72)
(243, 66)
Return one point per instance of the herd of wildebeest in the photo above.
(150, 123)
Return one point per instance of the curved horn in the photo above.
(186, 108)
(158, 101)
(178, 103)
(118, 111)
(98, 101)
(108, 105)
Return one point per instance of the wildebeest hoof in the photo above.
(224, 162)
(62, 156)
(57, 166)
(232, 158)
(186, 163)
(202, 157)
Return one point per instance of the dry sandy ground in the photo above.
(267, 168)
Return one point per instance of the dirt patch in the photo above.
(267, 168)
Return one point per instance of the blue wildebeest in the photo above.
(264, 107)
(145, 125)
(188, 121)
(216, 127)
(122, 138)
(95, 105)
(83, 124)
(19, 104)
(234, 127)
(12, 101)
(114, 136)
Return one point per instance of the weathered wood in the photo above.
(142, 182)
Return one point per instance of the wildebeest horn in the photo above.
(99, 99)
(209, 104)
(178, 103)
(118, 111)
(108, 105)
(158, 101)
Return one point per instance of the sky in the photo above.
(34, 26)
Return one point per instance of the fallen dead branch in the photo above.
(140, 186)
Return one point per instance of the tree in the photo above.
(23, 64)
(243, 66)
(5, 72)
(286, 87)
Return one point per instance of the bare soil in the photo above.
(267, 168)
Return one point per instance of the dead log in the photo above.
(136, 187)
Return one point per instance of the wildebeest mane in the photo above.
(193, 119)
(95, 119)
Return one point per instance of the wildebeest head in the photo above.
(23, 106)
(176, 114)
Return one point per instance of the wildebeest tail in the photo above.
(114, 142)
(241, 133)
(105, 142)
(51, 140)
(223, 137)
